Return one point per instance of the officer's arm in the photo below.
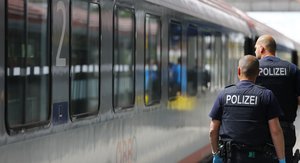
(298, 100)
(214, 135)
(277, 137)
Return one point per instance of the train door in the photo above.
(76, 33)
(60, 60)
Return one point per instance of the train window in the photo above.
(85, 59)
(207, 61)
(123, 57)
(224, 74)
(294, 57)
(218, 56)
(27, 64)
(215, 54)
(152, 59)
(192, 60)
(284, 55)
(175, 65)
(202, 72)
(235, 51)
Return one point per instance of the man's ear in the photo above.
(239, 71)
(262, 50)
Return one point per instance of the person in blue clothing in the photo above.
(176, 77)
(244, 117)
(283, 78)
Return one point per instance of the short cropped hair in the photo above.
(249, 66)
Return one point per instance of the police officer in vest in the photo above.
(245, 117)
(283, 78)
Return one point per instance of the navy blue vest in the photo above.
(277, 75)
(244, 118)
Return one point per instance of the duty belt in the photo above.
(245, 147)
(226, 148)
(241, 146)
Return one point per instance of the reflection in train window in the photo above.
(175, 66)
(85, 58)
(217, 61)
(27, 66)
(152, 60)
(224, 75)
(192, 60)
(123, 57)
(206, 68)
(235, 51)
(284, 55)
(201, 71)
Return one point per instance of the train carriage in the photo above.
(117, 81)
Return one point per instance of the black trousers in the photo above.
(289, 140)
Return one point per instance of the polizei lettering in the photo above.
(272, 71)
(241, 99)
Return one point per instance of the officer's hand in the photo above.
(282, 161)
(217, 159)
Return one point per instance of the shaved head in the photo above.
(268, 42)
(249, 66)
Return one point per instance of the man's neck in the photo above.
(268, 55)
(247, 79)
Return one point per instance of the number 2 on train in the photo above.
(61, 7)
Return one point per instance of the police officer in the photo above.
(246, 115)
(283, 78)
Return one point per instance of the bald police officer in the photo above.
(243, 117)
(283, 78)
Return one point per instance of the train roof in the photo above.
(280, 38)
(257, 27)
(208, 11)
(222, 5)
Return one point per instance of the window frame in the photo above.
(157, 18)
(115, 46)
(93, 113)
(193, 27)
(180, 24)
(20, 128)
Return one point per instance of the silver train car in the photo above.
(117, 81)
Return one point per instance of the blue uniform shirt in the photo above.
(244, 110)
(283, 79)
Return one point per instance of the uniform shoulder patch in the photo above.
(229, 85)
